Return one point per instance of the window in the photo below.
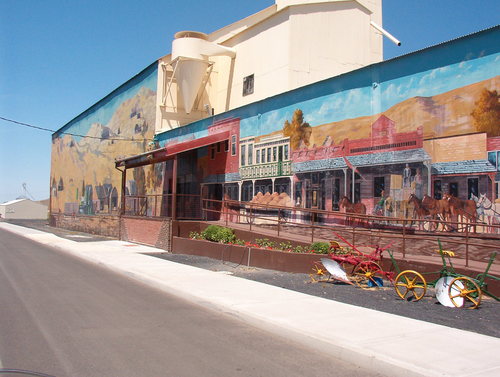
(438, 193)
(233, 145)
(378, 186)
(298, 194)
(336, 194)
(357, 192)
(494, 159)
(269, 155)
(250, 154)
(212, 152)
(263, 155)
(285, 157)
(453, 189)
(248, 85)
(257, 156)
(243, 155)
(472, 187)
(226, 145)
(275, 153)
(218, 147)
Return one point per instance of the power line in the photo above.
(71, 134)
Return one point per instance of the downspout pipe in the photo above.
(124, 180)
(386, 33)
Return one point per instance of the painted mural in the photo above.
(413, 137)
(398, 138)
(83, 177)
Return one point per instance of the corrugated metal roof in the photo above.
(315, 165)
(393, 157)
(441, 43)
(463, 167)
(13, 202)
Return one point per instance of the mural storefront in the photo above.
(388, 136)
(377, 141)
(84, 180)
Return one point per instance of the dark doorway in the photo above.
(472, 187)
(438, 190)
(453, 189)
(213, 205)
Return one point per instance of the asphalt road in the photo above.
(64, 317)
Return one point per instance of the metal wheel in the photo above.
(410, 285)
(365, 273)
(467, 289)
(318, 273)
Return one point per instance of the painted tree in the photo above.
(486, 113)
(298, 130)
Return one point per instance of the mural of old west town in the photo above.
(431, 134)
(83, 177)
(425, 126)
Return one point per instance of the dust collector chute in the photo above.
(190, 52)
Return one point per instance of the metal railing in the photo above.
(471, 241)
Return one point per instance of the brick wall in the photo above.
(149, 231)
(104, 225)
(154, 232)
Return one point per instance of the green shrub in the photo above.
(195, 236)
(266, 243)
(216, 233)
(320, 247)
(299, 249)
(285, 246)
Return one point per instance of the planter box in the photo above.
(247, 256)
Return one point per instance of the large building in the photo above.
(23, 209)
(271, 105)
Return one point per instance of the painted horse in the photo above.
(353, 208)
(439, 209)
(464, 210)
(350, 207)
(419, 211)
(488, 211)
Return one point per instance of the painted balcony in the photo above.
(274, 169)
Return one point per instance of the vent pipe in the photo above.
(190, 52)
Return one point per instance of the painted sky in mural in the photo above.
(105, 111)
(360, 102)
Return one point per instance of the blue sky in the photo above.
(358, 102)
(58, 58)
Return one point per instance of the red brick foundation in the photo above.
(103, 225)
(155, 232)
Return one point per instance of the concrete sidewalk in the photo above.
(387, 343)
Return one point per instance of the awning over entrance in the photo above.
(389, 158)
(463, 167)
(166, 153)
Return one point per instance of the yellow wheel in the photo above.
(318, 273)
(364, 273)
(464, 292)
(410, 285)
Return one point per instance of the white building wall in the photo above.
(23, 209)
(263, 51)
(284, 47)
(327, 40)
